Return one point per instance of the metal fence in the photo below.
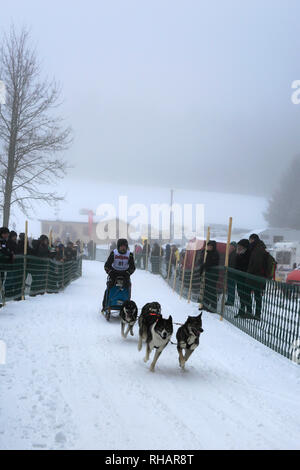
(31, 275)
(267, 310)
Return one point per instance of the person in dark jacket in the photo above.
(120, 263)
(6, 257)
(243, 289)
(210, 299)
(167, 256)
(155, 258)
(37, 268)
(41, 248)
(59, 252)
(13, 281)
(21, 243)
(12, 242)
(70, 253)
(256, 267)
(145, 253)
(5, 252)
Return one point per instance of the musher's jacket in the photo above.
(118, 262)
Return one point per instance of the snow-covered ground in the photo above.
(72, 382)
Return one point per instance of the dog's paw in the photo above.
(152, 368)
(182, 363)
(146, 359)
(131, 332)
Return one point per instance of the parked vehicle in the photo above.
(287, 256)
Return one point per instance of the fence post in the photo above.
(226, 268)
(183, 273)
(25, 260)
(202, 280)
(192, 274)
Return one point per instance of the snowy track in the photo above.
(71, 381)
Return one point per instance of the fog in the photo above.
(193, 94)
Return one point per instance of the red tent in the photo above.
(197, 244)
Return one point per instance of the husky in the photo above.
(128, 314)
(156, 331)
(153, 307)
(188, 338)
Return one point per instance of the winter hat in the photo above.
(3, 230)
(254, 237)
(212, 243)
(244, 243)
(122, 242)
(12, 233)
(233, 244)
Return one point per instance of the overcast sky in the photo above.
(184, 94)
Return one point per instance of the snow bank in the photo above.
(72, 382)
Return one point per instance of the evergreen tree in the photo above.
(284, 206)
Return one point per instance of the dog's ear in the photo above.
(201, 330)
(200, 316)
(170, 319)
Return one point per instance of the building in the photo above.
(102, 233)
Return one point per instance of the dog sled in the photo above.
(115, 296)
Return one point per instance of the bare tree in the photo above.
(30, 134)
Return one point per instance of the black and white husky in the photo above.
(156, 331)
(188, 338)
(128, 314)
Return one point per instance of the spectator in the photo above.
(59, 252)
(21, 243)
(145, 253)
(167, 256)
(12, 242)
(210, 299)
(5, 251)
(174, 258)
(14, 277)
(138, 250)
(256, 267)
(155, 257)
(91, 250)
(244, 292)
(40, 249)
(6, 256)
(70, 253)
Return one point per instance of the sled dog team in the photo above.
(156, 331)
